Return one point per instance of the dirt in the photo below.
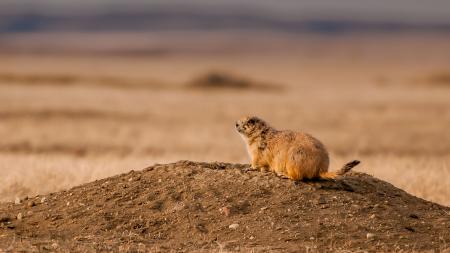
(222, 80)
(204, 207)
(441, 79)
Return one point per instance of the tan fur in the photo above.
(295, 155)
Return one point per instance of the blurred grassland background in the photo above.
(92, 89)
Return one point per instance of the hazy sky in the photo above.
(392, 10)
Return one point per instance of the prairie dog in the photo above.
(295, 155)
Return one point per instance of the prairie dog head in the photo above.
(251, 126)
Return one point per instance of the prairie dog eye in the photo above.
(251, 121)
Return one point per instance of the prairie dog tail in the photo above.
(346, 168)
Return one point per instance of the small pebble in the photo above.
(414, 216)
(370, 236)
(19, 216)
(43, 199)
(233, 226)
(372, 216)
(251, 237)
(17, 201)
(29, 213)
(226, 211)
(321, 200)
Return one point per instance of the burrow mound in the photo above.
(218, 80)
(190, 206)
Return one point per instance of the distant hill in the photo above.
(17, 18)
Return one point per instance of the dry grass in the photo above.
(70, 79)
(55, 136)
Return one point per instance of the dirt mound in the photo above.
(187, 206)
(220, 80)
(439, 79)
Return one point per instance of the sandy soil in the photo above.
(220, 207)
